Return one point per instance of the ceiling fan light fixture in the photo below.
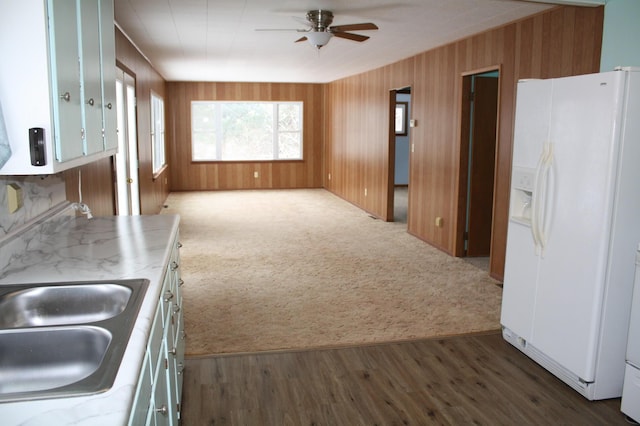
(319, 38)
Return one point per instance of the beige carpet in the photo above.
(294, 269)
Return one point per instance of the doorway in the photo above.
(399, 151)
(478, 140)
(126, 160)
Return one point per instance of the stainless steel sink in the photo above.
(64, 339)
(62, 304)
(40, 359)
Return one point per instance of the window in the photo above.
(157, 133)
(246, 131)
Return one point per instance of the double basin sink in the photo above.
(64, 339)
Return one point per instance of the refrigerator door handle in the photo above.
(535, 201)
(539, 222)
(545, 196)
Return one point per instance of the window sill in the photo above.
(159, 172)
(298, 160)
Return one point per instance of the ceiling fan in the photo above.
(319, 30)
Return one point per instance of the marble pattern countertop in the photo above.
(104, 248)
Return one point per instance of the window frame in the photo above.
(275, 134)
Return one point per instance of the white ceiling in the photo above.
(215, 40)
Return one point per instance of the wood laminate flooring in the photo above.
(473, 379)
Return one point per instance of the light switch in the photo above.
(14, 197)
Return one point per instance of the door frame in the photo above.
(391, 157)
(463, 150)
(391, 149)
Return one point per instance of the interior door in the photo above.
(481, 165)
(127, 183)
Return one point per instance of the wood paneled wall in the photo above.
(98, 178)
(97, 186)
(187, 175)
(563, 41)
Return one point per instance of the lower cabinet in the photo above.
(159, 392)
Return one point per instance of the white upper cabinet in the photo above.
(57, 74)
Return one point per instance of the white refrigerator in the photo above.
(574, 224)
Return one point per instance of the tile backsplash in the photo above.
(39, 194)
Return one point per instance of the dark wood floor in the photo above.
(478, 379)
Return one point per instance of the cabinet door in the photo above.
(161, 402)
(179, 345)
(65, 79)
(108, 64)
(91, 75)
(142, 401)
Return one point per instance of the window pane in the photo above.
(157, 133)
(289, 146)
(289, 117)
(202, 117)
(247, 131)
(204, 146)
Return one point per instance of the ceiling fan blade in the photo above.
(354, 27)
(282, 29)
(301, 39)
(351, 36)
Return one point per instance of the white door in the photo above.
(127, 184)
(578, 199)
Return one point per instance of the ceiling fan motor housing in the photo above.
(320, 19)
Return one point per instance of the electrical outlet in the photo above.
(365, 192)
(439, 222)
(14, 197)
(256, 175)
(329, 176)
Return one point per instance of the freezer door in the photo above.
(578, 203)
(533, 109)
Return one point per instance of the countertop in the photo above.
(105, 248)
